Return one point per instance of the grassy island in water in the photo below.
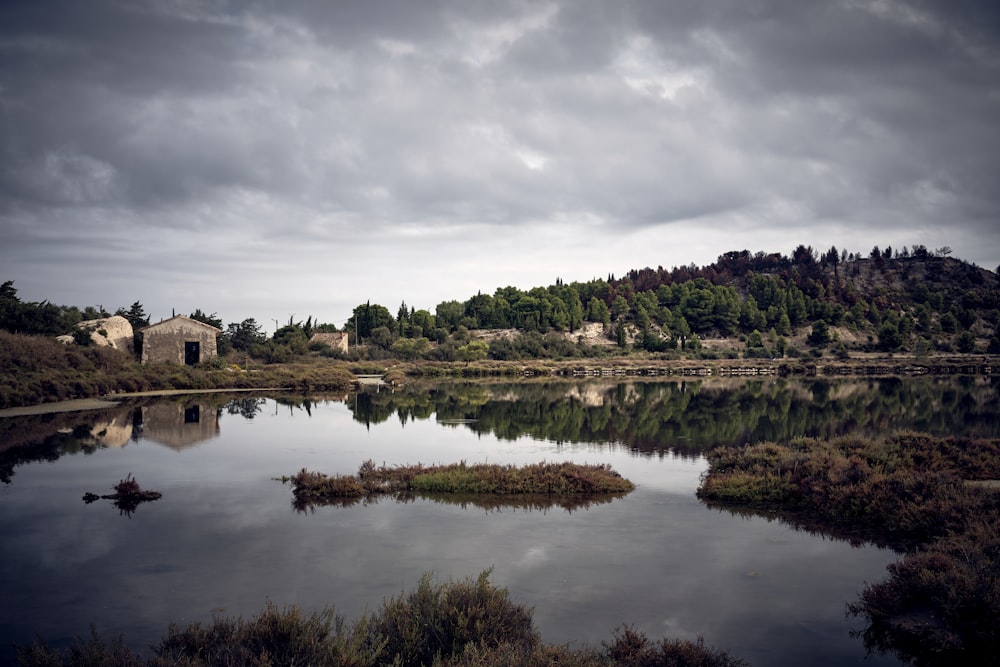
(560, 479)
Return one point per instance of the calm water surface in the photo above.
(224, 539)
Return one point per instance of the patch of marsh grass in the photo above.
(539, 479)
(468, 623)
(940, 604)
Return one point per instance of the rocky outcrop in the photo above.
(114, 332)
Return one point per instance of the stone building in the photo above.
(338, 341)
(179, 340)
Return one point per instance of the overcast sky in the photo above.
(296, 158)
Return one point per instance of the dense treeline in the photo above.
(908, 299)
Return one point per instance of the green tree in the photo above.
(381, 337)
(245, 335)
(411, 348)
(449, 314)
(472, 351)
(783, 326)
(366, 318)
(797, 307)
(820, 334)
(619, 307)
(597, 311)
(966, 342)
(682, 331)
(889, 338)
(424, 320)
(697, 307)
(135, 315)
(403, 320)
(211, 320)
(750, 315)
(620, 339)
(293, 337)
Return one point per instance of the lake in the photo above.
(225, 539)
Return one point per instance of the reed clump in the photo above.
(550, 479)
(910, 488)
(931, 497)
(127, 497)
(467, 623)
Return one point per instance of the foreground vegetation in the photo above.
(469, 623)
(934, 498)
(541, 479)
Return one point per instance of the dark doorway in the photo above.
(192, 415)
(192, 352)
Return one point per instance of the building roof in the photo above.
(185, 320)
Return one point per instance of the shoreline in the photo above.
(872, 366)
(111, 400)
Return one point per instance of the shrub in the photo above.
(469, 623)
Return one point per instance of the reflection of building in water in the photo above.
(114, 433)
(179, 425)
(114, 429)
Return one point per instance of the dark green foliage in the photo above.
(292, 337)
(135, 314)
(994, 346)
(534, 345)
(889, 337)
(82, 337)
(212, 320)
(966, 342)
(244, 336)
(820, 334)
(42, 318)
(366, 318)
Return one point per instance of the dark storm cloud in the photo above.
(282, 134)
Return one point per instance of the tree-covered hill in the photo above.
(908, 299)
(765, 304)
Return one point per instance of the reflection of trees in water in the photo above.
(246, 407)
(689, 416)
(488, 502)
